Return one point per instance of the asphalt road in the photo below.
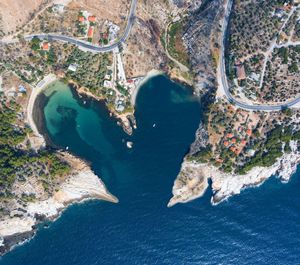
(95, 48)
(231, 99)
(89, 46)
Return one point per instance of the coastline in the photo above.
(123, 119)
(126, 120)
(225, 185)
(38, 140)
(78, 186)
(38, 118)
(147, 77)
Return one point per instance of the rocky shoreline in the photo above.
(192, 181)
(193, 178)
(22, 219)
(80, 185)
(125, 120)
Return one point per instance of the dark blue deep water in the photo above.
(260, 226)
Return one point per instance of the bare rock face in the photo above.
(20, 223)
(201, 25)
(201, 140)
(190, 184)
(191, 4)
(192, 181)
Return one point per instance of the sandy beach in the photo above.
(38, 140)
(135, 92)
(79, 185)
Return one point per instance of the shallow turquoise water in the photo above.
(260, 226)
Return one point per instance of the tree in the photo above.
(35, 43)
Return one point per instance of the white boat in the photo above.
(129, 144)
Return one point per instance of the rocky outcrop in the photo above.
(225, 185)
(201, 140)
(192, 181)
(82, 184)
(190, 184)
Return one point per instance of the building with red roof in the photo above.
(45, 46)
(230, 135)
(234, 150)
(90, 33)
(92, 19)
(226, 143)
(243, 142)
(219, 160)
(249, 132)
(81, 19)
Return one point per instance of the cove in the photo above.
(261, 225)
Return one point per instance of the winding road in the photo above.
(87, 45)
(223, 83)
(222, 78)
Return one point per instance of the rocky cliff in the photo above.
(203, 40)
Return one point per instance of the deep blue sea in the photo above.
(259, 226)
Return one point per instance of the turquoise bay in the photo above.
(259, 226)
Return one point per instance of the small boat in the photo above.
(67, 148)
(129, 144)
(154, 125)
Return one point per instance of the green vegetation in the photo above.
(293, 67)
(9, 134)
(163, 40)
(91, 70)
(31, 63)
(270, 150)
(51, 58)
(20, 163)
(103, 41)
(175, 44)
(284, 67)
(35, 43)
(203, 156)
(122, 90)
(284, 54)
(252, 26)
(81, 28)
(28, 197)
